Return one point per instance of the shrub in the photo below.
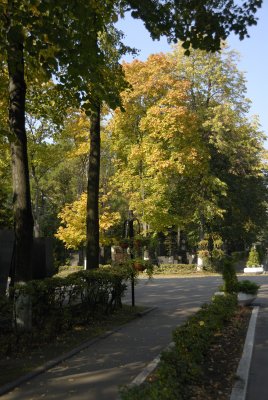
(175, 269)
(58, 303)
(253, 258)
(140, 265)
(248, 287)
(238, 255)
(181, 366)
(229, 277)
(211, 252)
(6, 311)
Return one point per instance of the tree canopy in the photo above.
(81, 48)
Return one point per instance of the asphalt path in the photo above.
(98, 371)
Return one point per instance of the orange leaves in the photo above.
(156, 140)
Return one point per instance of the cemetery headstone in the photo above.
(6, 251)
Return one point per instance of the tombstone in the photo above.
(74, 258)
(107, 254)
(6, 251)
(42, 258)
(199, 263)
(165, 260)
(23, 313)
(146, 255)
(101, 256)
(118, 255)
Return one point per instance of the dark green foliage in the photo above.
(5, 313)
(180, 367)
(60, 303)
(246, 201)
(201, 24)
(229, 277)
(248, 287)
(238, 255)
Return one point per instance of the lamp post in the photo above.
(129, 232)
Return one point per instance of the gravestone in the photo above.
(6, 250)
(42, 257)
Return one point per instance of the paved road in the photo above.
(96, 373)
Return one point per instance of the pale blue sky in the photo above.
(253, 51)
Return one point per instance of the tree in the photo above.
(5, 175)
(184, 148)
(66, 40)
(253, 258)
(22, 27)
(155, 141)
(160, 18)
(73, 219)
(235, 144)
(200, 25)
(46, 108)
(35, 34)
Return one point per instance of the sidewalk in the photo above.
(252, 372)
(96, 372)
(258, 374)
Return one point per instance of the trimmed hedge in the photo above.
(58, 303)
(175, 269)
(181, 366)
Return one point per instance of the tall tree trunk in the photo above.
(23, 220)
(92, 241)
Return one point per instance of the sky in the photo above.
(253, 52)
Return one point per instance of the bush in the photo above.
(181, 366)
(229, 277)
(175, 269)
(65, 270)
(253, 258)
(140, 265)
(6, 310)
(58, 303)
(248, 287)
(238, 255)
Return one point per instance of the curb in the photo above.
(239, 390)
(142, 376)
(52, 363)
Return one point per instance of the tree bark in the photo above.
(23, 220)
(92, 241)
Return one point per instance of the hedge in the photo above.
(181, 366)
(175, 269)
(58, 303)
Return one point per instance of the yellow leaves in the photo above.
(77, 129)
(156, 140)
(108, 219)
(73, 221)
